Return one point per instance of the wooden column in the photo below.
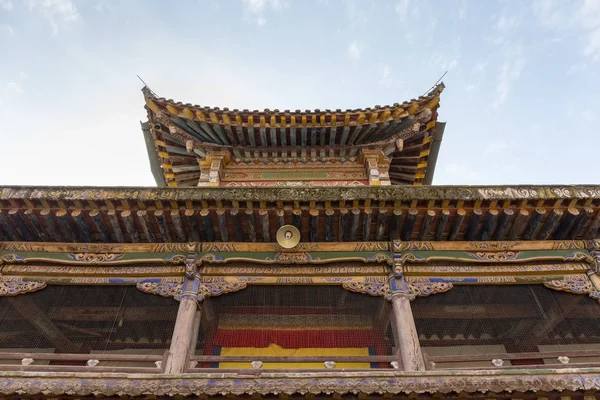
(183, 335)
(407, 338)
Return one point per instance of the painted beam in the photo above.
(366, 228)
(533, 223)
(426, 225)
(584, 216)
(456, 224)
(490, 223)
(502, 225)
(237, 225)
(329, 213)
(518, 224)
(251, 220)
(354, 226)
(222, 220)
(178, 226)
(51, 228)
(382, 217)
(144, 221)
(409, 224)
(395, 224)
(442, 222)
(19, 222)
(550, 224)
(64, 225)
(592, 230)
(129, 223)
(264, 222)
(313, 225)
(344, 223)
(207, 224)
(193, 232)
(36, 226)
(7, 228)
(473, 224)
(98, 223)
(297, 219)
(567, 223)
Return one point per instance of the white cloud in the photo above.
(479, 68)
(387, 80)
(446, 63)
(508, 74)
(548, 13)
(506, 24)
(495, 147)
(6, 29)
(462, 10)
(590, 19)
(14, 87)
(354, 50)
(402, 9)
(6, 4)
(470, 88)
(57, 12)
(256, 9)
(455, 172)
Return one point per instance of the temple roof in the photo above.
(179, 135)
(336, 214)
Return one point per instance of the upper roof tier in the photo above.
(180, 133)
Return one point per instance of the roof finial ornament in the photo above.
(434, 85)
(146, 86)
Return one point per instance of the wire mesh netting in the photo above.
(295, 321)
(470, 320)
(87, 319)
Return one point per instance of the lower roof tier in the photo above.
(322, 214)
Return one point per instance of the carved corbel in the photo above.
(213, 166)
(199, 291)
(15, 287)
(400, 287)
(377, 166)
(11, 259)
(576, 284)
(396, 287)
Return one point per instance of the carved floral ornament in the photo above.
(15, 287)
(578, 284)
(243, 194)
(376, 382)
(410, 290)
(203, 291)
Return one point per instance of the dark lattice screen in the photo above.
(295, 317)
(511, 319)
(87, 319)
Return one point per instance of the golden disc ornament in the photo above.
(288, 236)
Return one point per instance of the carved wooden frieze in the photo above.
(370, 382)
(307, 194)
(577, 284)
(199, 291)
(15, 287)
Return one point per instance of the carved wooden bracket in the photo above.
(577, 284)
(412, 290)
(13, 288)
(199, 292)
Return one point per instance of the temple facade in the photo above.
(299, 254)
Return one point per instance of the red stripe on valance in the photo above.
(297, 338)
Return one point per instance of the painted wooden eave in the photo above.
(322, 214)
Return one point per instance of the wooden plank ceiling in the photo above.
(130, 215)
(181, 134)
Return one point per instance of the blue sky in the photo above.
(521, 101)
